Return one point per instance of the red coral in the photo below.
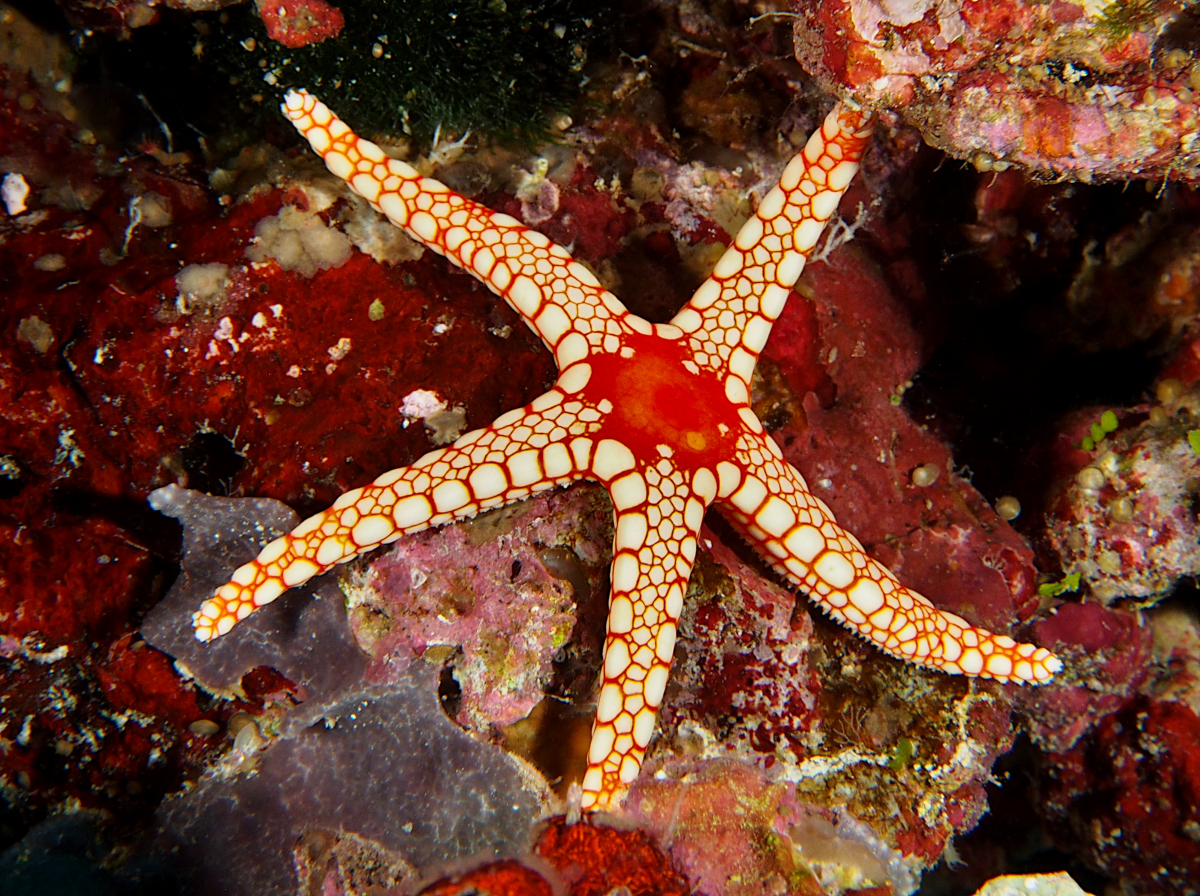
(298, 23)
(137, 677)
(595, 860)
(1055, 86)
(509, 878)
(68, 581)
(1130, 795)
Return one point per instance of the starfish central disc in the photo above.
(659, 404)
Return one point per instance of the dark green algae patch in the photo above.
(500, 67)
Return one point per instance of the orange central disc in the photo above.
(657, 401)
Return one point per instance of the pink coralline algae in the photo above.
(1084, 90)
(739, 831)
(746, 658)
(494, 589)
(298, 23)
(1119, 732)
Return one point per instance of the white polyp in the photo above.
(741, 362)
(330, 552)
(688, 320)
(338, 165)
(866, 595)
(523, 467)
(708, 293)
(422, 224)
(574, 376)
(624, 572)
(450, 496)
(299, 571)
(704, 484)
(393, 206)
(749, 235)
(620, 615)
(664, 645)
(601, 746)
(487, 481)
(772, 204)
(775, 517)
(808, 233)
(735, 389)
(758, 329)
(842, 174)
(628, 491)
(643, 728)
(631, 531)
(556, 460)
(639, 324)
(790, 267)
(805, 543)
(371, 529)
(412, 511)
(750, 496)
(366, 186)
(656, 685)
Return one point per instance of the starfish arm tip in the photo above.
(293, 102)
(1052, 664)
(203, 627)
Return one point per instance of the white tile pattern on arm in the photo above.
(519, 454)
(558, 297)
(730, 316)
(768, 502)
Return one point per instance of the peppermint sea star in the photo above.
(657, 413)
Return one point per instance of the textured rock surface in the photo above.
(1126, 523)
(380, 766)
(359, 783)
(305, 638)
(1085, 90)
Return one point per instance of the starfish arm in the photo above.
(730, 316)
(658, 516)
(560, 299)
(521, 453)
(766, 499)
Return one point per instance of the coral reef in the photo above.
(1126, 524)
(1083, 90)
(142, 348)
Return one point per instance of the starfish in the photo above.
(659, 414)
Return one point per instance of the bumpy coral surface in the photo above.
(1086, 90)
(1129, 795)
(1126, 524)
(496, 590)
